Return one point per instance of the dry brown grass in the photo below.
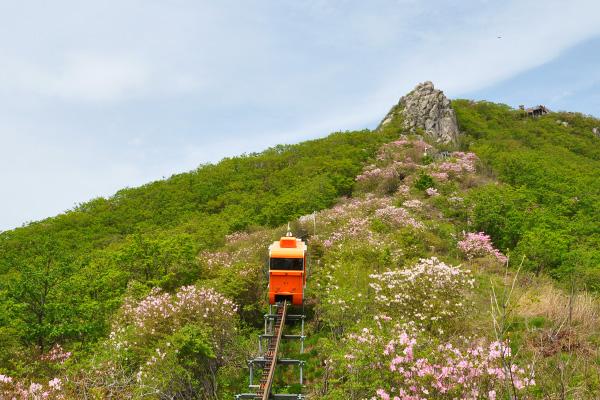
(472, 180)
(579, 310)
(564, 349)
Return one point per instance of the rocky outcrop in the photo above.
(428, 109)
(596, 131)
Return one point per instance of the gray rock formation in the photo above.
(596, 131)
(428, 109)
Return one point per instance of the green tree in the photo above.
(544, 248)
(37, 287)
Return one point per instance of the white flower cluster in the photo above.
(428, 292)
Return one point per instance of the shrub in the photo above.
(430, 293)
(460, 163)
(479, 245)
(172, 345)
(544, 248)
(17, 390)
(447, 372)
(424, 181)
(398, 216)
(431, 192)
(389, 360)
(384, 180)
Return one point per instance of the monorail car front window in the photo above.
(294, 264)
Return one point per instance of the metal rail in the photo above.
(266, 381)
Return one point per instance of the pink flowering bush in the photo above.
(351, 219)
(398, 216)
(354, 220)
(398, 161)
(439, 176)
(478, 371)
(403, 149)
(166, 343)
(56, 355)
(430, 293)
(372, 172)
(403, 190)
(391, 151)
(225, 259)
(395, 161)
(160, 311)
(382, 179)
(431, 192)
(348, 208)
(460, 163)
(237, 236)
(356, 227)
(19, 390)
(478, 244)
(216, 259)
(398, 361)
(38, 389)
(413, 203)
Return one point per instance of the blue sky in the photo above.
(96, 96)
(570, 82)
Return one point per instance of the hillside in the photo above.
(158, 292)
(63, 277)
(548, 207)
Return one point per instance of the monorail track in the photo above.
(266, 381)
(269, 360)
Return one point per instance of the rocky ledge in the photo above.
(428, 109)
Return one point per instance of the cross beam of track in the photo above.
(266, 381)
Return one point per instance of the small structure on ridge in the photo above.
(536, 111)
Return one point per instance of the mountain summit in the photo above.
(426, 108)
(469, 270)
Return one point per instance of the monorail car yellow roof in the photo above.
(287, 247)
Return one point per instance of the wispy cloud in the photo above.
(93, 77)
(116, 93)
(89, 77)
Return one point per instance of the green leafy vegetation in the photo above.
(548, 206)
(158, 292)
(64, 277)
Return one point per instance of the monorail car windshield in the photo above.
(287, 264)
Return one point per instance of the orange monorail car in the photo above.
(287, 270)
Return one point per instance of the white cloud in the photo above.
(96, 78)
(81, 77)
